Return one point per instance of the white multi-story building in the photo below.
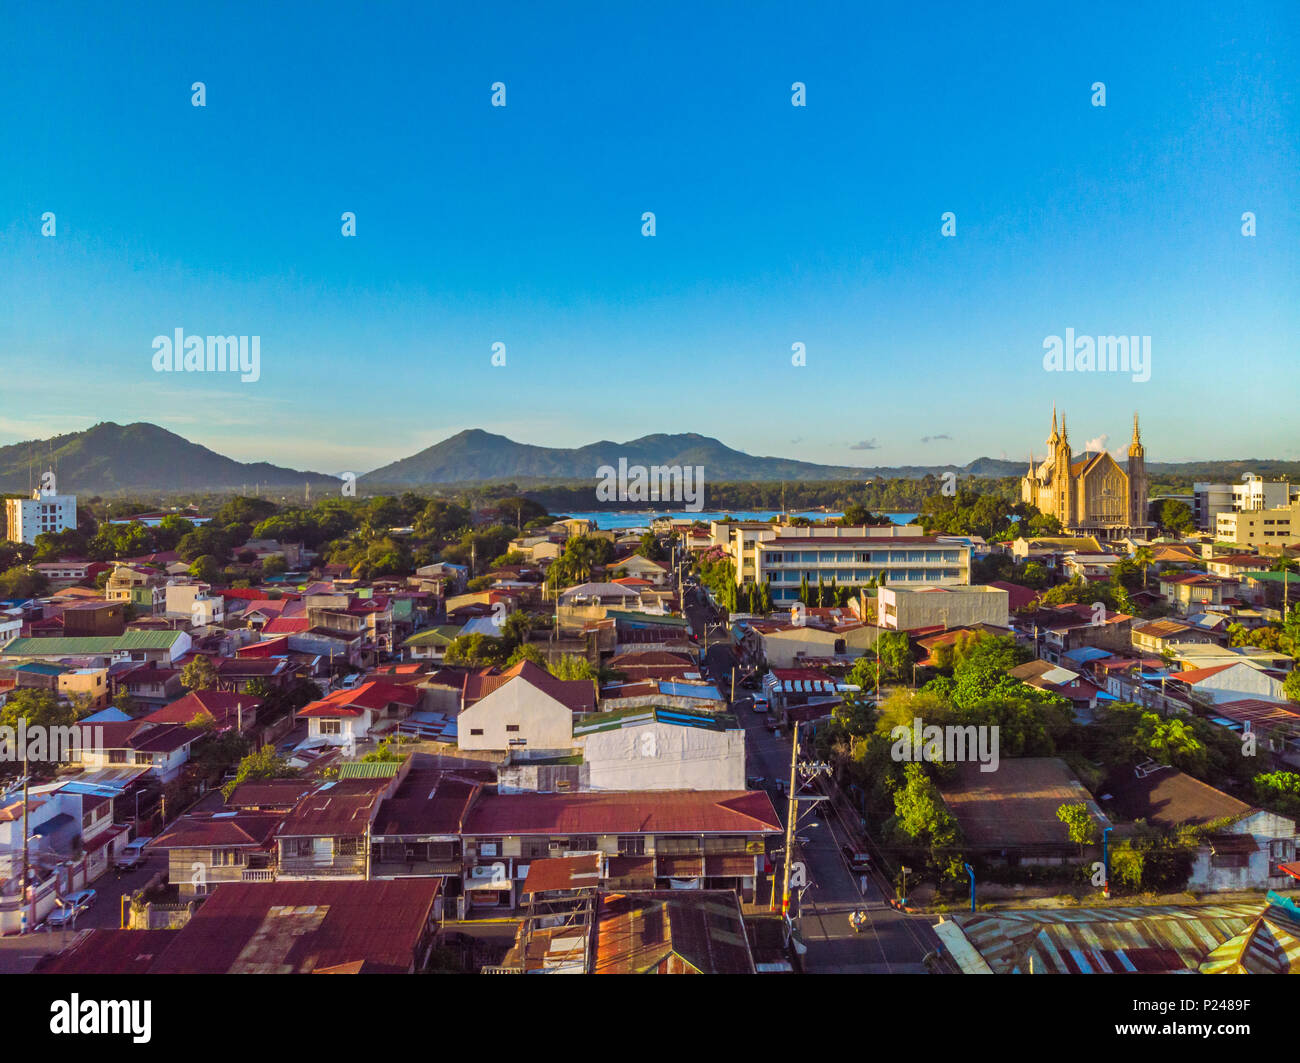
(45, 511)
(785, 556)
(1253, 494)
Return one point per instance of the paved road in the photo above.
(19, 953)
(893, 942)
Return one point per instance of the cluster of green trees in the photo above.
(990, 514)
(581, 555)
(972, 687)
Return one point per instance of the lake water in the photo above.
(619, 519)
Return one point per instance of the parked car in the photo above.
(132, 854)
(858, 860)
(73, 905)
(352, 680)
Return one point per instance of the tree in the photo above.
(199, 674)
(1176, 516)
(206, 568)
(1285, 564)
(1080, 824)
(275, 565)
(22, 582)
(571, 666)
(651, 548)
(984, 671)
(895, 653)
(921, 818)
(476, 650)
(266, 763)
(40, 708)
(526, 652)
(1144, 558)
(1291, 687)
(1278, 791)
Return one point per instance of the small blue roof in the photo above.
(689, 690)
(1084, 654)
(108, 715)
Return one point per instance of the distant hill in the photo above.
(109, 458)
(475, 455)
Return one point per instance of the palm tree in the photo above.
(1284, 564)
(1143, 558)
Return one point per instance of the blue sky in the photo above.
(775, 224)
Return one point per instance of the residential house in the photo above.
(208, 849)
(163, 748)
(222, 710)
(360, 714)
(671, 932)
(1242, 847)
(327, 833)
(681, 839)
(1008, 816)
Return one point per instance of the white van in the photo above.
(132, 854)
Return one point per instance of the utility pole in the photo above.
(792, 814)
(22, 883)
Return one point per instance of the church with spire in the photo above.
(1093, 494)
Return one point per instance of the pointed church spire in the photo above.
(1135, 448)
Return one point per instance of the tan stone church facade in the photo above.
(1091, 495)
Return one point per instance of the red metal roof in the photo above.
(658, 812)
(223, 707)
(300, 927)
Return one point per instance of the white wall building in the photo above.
(661, 749)
(45, 511)
(519, 717)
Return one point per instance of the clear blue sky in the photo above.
(776, 224)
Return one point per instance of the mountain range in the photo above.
(109, 458)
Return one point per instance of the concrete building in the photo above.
(787, 556)
(1208, 501)
(661, 749)
(45, 511)
(520, 716)
(906, 608)
(1260, 527)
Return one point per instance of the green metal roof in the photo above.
(369, 769)
(90, 644)
(434, 636)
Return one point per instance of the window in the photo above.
(489, 846)
(582, 843)
(512, 727)
(331, 727)
(347, 846)
(117, 756)
(476, 730)
(302, 846)
(225, 858)
(1229, 859)
(631, 844)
